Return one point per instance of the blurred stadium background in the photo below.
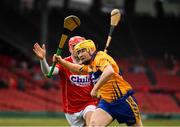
(145, 45)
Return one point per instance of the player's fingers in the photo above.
(44, 47)
(36, 52)
(38, 47)
(55, 58)
(35, 44)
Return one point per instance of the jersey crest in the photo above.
(95, 76)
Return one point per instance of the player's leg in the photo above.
(135, 110)
(87, 113)
(138, 123)
(100, 118)
(75, 119)
(82, 117)
(88, 117)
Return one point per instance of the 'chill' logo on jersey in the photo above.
(80, 80)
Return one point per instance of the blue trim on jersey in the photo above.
(120, 109)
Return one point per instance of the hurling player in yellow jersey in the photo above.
(116, 95)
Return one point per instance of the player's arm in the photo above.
(70, 66)
(105, 76)
(46, 68)
(41, 55)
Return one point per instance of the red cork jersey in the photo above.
(75, 90)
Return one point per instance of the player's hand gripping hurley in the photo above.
(70, 23)
(115, 18)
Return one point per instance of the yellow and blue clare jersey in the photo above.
(116, 86)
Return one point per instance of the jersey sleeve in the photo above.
(60, 67)
(84, 69)
(102, 63)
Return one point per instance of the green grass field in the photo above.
(63, 122)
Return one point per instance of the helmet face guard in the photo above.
(73, 41)
(86, 44)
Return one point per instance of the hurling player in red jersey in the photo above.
(77, 102)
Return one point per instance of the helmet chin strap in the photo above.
(92, 57)
(87, 62)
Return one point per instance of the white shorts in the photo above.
(78, 118)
